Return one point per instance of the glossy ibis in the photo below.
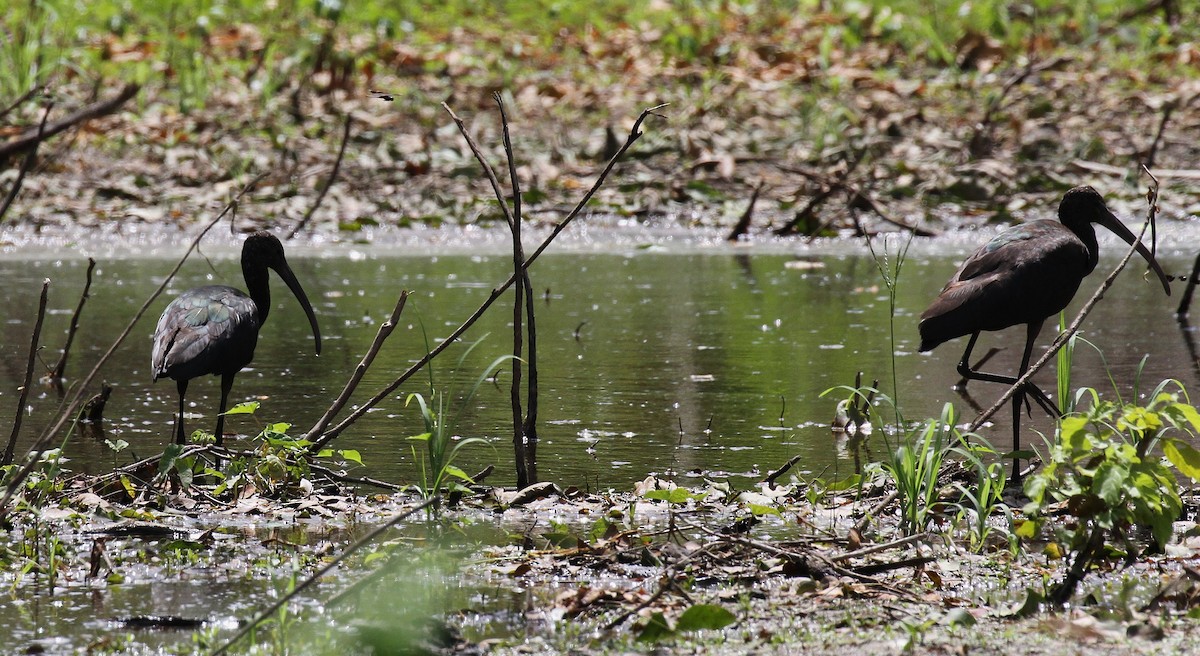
(1024, 275)
(214, 329)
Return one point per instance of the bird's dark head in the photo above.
(264, 247)
(261, 251)
(1082, 204)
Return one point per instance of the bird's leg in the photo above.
(226, 385)
(1031, 332)
(180, 385)
(965, 370)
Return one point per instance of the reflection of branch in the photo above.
(33, 347)
(57, 373)
(1186, 302)
(32, 137)
(337, 165)
(635, 133)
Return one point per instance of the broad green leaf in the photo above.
(1189, 413)
(246, 408)
(704, 616)
(351, 454)
(1109, 482)
(759, 510)
(1184, 456)
(655, 629)
(451, 470)
(673, 496)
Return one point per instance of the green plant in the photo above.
(914, 466)
(1103, 471)
(890, 268)
(983, 500)
(435, 465)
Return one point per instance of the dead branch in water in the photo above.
(385, 330)
(743, 224)
(7, 458)
(635, 133)
(56, 375)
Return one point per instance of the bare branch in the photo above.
(634, 134)
(61, 367)
(360, 543)
(33, 137)
(385, 330)
(33, 347)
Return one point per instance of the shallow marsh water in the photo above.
(684, 360)
(700, 362)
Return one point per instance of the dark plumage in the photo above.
(1023, 276)
(214, 329)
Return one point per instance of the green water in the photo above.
(696, 364)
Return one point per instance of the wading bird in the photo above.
(1024, 275)
(214, 329)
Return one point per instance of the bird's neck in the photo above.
(1087, 234)
(258, 287)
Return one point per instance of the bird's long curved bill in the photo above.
(285, 272)
(1114, 224)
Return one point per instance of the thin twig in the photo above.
(743, 223)
(518, 254)
(33, 347)
(634, 134)
(337, 165)
(20, 100)
(866, 551)
(1168, 109)
(67, 409)
(1066, 335)
(360, 543)
(385, 330)
(58, 372)
(26, 164)
(773, 476)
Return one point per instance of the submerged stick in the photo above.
(635, 133)
(7, 458)
(60, 368)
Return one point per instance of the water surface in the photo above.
(668, 360)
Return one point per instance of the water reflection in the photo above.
(649, 362)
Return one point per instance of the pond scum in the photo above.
(930, 548)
